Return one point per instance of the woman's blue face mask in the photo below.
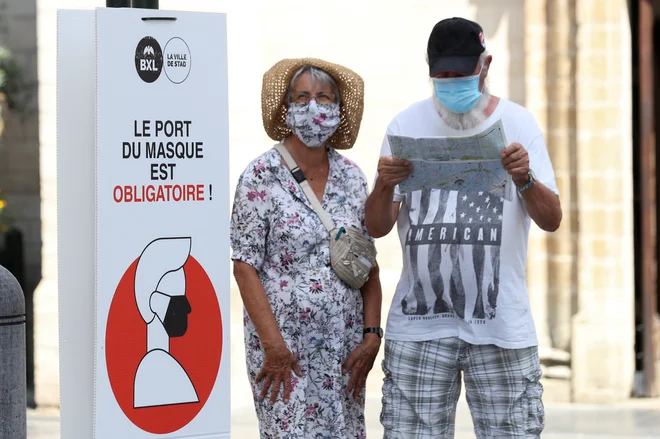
(458, 95)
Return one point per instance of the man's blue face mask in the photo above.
(458, 95)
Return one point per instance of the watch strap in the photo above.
(377, 331)
(529, 184)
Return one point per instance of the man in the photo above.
(461, 305)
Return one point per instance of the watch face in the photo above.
(532, 175)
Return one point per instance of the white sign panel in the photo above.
(162, 285)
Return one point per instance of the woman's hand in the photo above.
(360, 362)
(278, 364)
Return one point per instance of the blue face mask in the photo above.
(459, 95)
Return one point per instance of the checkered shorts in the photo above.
(423, 381)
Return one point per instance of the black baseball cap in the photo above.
(455, 45)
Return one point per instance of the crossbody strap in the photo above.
(304, 184)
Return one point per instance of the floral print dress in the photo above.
(275, 229)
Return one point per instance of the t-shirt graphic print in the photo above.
(453, 250)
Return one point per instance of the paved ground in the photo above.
(626, 421)
(638, 419)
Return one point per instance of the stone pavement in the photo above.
(632, 420)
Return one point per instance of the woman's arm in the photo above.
(372, 298)
(361, 360)
(278, 360)
(256, 304)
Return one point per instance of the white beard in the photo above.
(468, 120)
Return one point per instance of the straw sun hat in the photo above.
(274, 105)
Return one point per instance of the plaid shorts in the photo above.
(423, 382)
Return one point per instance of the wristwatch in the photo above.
(530, 183)
(377, 331)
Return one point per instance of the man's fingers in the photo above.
(395, 172)
(392, 181)
(275, 390)
(266, 386)
(389, 160)
(520, 164)
(521, 154)
(260, 377)
(394, 178)
(515, 146)
(518, 172)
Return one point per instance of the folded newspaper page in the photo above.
(470, 163)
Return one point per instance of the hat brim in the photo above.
(274, 106)
(465, 65)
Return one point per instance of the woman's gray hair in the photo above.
(318, 75)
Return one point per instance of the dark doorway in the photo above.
(645, 30)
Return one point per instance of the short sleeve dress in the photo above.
(275, 229)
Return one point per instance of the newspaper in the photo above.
(470, 163)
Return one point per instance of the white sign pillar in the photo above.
(143, 233)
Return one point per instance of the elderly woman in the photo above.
(310, 338)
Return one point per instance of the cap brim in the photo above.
(465, 65)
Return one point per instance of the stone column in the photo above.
(562, 146)
(603, 328)
(551, 97)
(537, 103)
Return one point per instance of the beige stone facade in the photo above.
(568, 61)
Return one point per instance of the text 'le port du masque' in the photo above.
(163, 149)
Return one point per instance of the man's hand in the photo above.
(392, 171)
(515, 161)
(360, 362)
(276, 371)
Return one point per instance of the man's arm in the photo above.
(381, 210)
(543, 206)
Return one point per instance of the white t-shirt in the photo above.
(469, 281)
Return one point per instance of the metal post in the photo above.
(13, 389)
(118, 3)
(145, 4)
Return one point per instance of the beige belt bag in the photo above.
(352, 254)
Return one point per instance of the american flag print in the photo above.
(453, 251)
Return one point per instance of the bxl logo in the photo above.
(148, 59)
